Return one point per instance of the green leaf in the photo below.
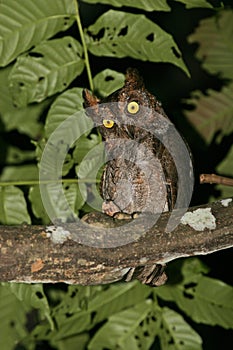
(192, 267)
(25, 120)
(195, 3)
(16, 155)
(23, 25)
(76, 195)
(47, 69)
(70, 343)
(90, 170)
(146, 5)
(37, 205)
(64, 200)
(68, 164)
(12, 318)
(13, 207)
(176, 334)
(205, 300)
(212, 112)
(74, 315)
(107, 82)
(226, 168)
(120, 34)
(66, 105)
(33, 296)
(117, 298)
(214, 36)
(91, 163)
(84, 145)
(19, 173)
(122, 329)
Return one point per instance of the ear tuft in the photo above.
(89, 99)
(133, 79)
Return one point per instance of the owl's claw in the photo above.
(122, 216)
(126, 216)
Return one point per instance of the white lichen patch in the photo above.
(225, 202)
(199, 219)
(57, 234)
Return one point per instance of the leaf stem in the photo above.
(45, 182)
(86, 57)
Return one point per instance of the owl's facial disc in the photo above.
(133, 107)
(108, 123)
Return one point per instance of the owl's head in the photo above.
(116, 114)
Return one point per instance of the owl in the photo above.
(140, 174)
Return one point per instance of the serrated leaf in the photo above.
(146, 5)
(107, 82)
(34, 297)
(212, 112)
(26, 120)
(23, 25)
(214, 36)
(66, 105)
(176, 334)
(122, 329)
(204, 299)
(12, 318)
(47, 69)
(13, 207)
(195, 3)
(120, 34)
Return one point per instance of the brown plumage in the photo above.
(140, 174)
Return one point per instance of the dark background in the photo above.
(171, 86)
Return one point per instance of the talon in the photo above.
(122, 216)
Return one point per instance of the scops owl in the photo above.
(140, 174)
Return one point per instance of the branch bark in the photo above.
(28, 255)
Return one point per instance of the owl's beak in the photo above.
(129, 130)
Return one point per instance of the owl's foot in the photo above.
(151, 275)
(110, 208)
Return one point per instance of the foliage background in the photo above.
(46, 317)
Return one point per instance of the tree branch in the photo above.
(27, 254)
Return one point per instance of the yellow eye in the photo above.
(133, 107)
(108, 123)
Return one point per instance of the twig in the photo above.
(216, 179)
(86, 57)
